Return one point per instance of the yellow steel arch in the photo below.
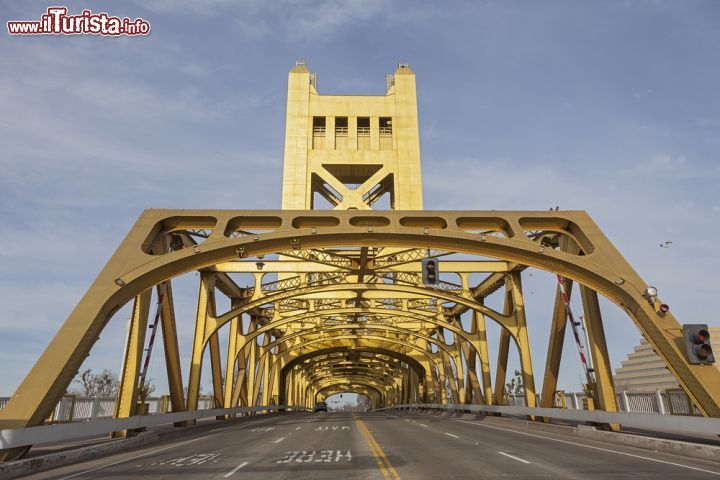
(131, 271)
(412, 362)
(431, 358)
(366, 390)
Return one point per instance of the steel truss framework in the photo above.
(343, 308)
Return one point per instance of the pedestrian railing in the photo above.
(74, 408)
(665, 402)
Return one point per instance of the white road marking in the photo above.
(307, 456)
(513, 457)
(263, 429)
(235, 469)
(279, 440)
(592, 447)
(135, 457)
(423, 425)
(298, 428)
(194, 459)
(450, 434)
(239, 426)
(158, 450)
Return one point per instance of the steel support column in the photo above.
(205, 303)
(135, 345)
(604, 386)
(555, 346)
(172, 352)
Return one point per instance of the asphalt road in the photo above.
(384, 446)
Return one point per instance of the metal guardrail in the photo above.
(73, 408)
(665, 402)
(20, 437)
(648, 421)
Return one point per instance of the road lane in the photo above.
(438, 451)
(180, 453)
(550, 454)
(323, 446)
(384, 446)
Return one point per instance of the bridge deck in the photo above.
(384, 445)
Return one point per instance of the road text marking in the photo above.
(133, 458)
(307, 456)
(101, 467)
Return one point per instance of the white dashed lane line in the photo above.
(231, 472)
(591, 447)
(279, 440)
(423, 425)
(451, 435)
(513, 457)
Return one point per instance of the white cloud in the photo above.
(290, 19)
(318, 19)
(200, 7)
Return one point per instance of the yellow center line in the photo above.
(385, 466)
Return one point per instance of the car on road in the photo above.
(321, 407)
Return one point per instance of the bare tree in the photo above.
(516, 385)
(146, 389)
(103, 384)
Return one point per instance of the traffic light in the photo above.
(697, 344)
(430, 273)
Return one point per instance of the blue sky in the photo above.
(606, 106)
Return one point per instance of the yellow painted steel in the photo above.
(334, 299)
(336, 162)
(128, 388)
(172, 352)
(555, 347)
(479, 327)
(230, 363)
(604, 388)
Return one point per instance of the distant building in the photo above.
(643, 371)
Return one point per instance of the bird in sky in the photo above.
(665, 244)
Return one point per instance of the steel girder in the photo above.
(376, 266)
